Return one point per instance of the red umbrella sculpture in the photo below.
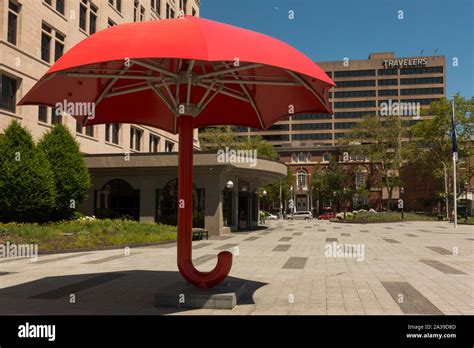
(181, 74)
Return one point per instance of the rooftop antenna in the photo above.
(436, 51)
(422, 52)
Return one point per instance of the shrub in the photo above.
(27, 190)
(71, 177)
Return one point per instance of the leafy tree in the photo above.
(70, 173)
(27, 190)
(430, 148)
(216, 138)
(273, 191)
(380, 140)
(332, 184)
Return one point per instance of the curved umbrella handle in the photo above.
(185, 210)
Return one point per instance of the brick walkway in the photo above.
(405, 268)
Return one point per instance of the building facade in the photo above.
(381, 85)
(35, 33)
(364, 87)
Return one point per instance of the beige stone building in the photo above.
(35, 33)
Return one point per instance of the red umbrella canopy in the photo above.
(150, 72)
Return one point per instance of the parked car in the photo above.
(272, 217)
(301, 215)
(327, 216)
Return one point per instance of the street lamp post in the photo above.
(402, 190)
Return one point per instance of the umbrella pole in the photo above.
(185, 215)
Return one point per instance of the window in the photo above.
(355, 104)
(361, 83)
(58, 46)
(301, 177)
(354, 94)
(42, 114)
(426, 70)
(155, 6)
(169, 11)
(353, 114)
(154, 143)
(279, 127)
(421, 80)
(83, 15)
(415, 91)
(310, 117)
(169, 146)
(387, 72)
(117, 4)
(384, 92)
(326, 157)
(135, 138)
(359, 180)
(316, 136)
(184, 5)
(304, 126)
(92, 19)
(110, 23)
(60, 6)
(90, 131)
(8, 88)
(13, 13)
(354, 73)
(388, 82)
(112, 132)
(344, 125)
(138, 12)
(276, 137)
(47, 35)
(78, 127)
(56, 116)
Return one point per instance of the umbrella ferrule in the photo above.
(187, 110)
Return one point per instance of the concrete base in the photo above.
(183, 295)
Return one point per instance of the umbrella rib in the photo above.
(109, 85)
(168, 90)
(252, 102)
(260, 82)
(154, 68)
(225, 71)
(230, 94)
(206, 94)
(306, 85)
(161, 95)
(211, 97)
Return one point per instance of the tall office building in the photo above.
(382, 83)
(35, 33)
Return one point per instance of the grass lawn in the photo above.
(78, 234)
(384, 217)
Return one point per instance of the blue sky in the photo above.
(334, 29)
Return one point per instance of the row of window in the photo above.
(388, 82)
(88, 13)
(357, 83)
(317, 136)
(112, 131)
(385, 92)
(386, 72)
(302, 117)
(421, 80)
(355, 104)
(353, 114)
(344, 125)
(354, 94)
(414, 91)
(304, 126)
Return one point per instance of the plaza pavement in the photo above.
(408, 268)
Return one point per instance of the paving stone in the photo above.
(285, 239)
(442, 267)
(221, 237)
(203, 259)
(226, 246)
(250, 239)
(411, 235)
(346, 234)
(330, 240)
(201, 245)
(297, 234)
(321, 230)
(109, 258)
(440, 250)
(74, 288)
(364, 231)
(49, 260)
(390, 240)
(413, 301)
(282, 247)
(295, 263)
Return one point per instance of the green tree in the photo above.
(216, 138)
(331, 184)
(430, 148)
(27, 190)
(70, 173)
(273, 191)
(380, 140)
